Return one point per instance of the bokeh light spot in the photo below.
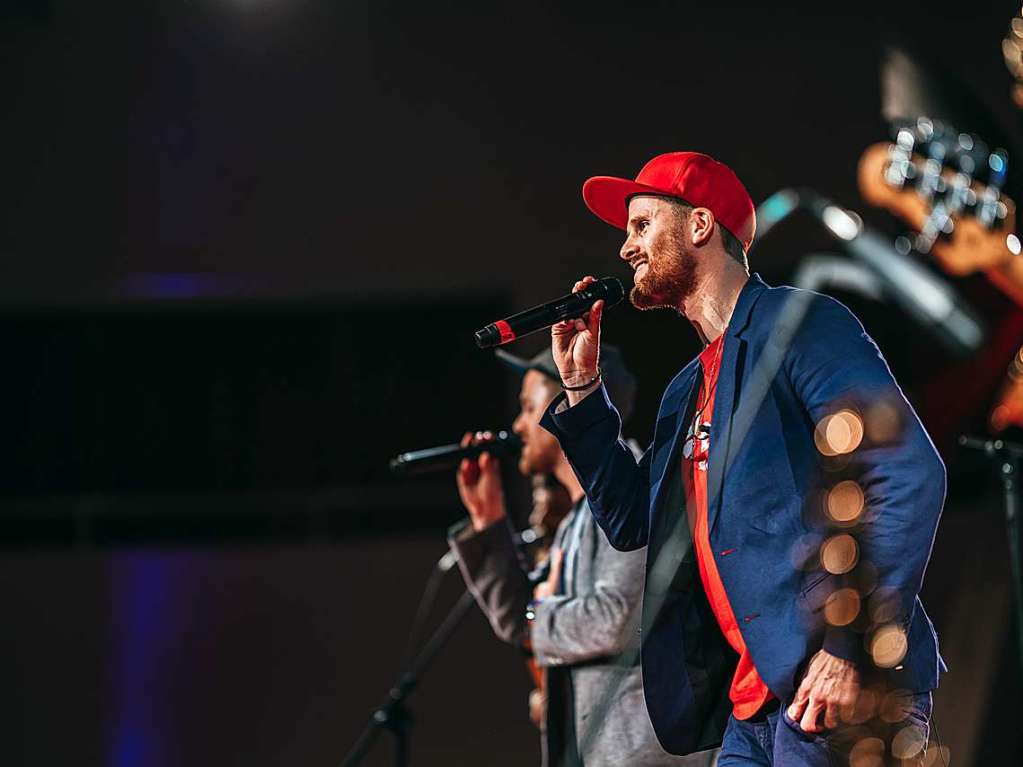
(895, 706)
(864, 709)
(909, 741)
(867, 752)
(839, 433)
(888, 646)
(936, 755)
(839, 554)
(845, 502)
(842, 607)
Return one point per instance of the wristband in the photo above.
(595, 379)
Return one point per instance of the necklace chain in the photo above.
(709, 392)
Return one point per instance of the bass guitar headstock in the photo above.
(947, 186)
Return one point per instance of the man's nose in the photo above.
(629, 248)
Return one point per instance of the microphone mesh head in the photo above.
(611, 290)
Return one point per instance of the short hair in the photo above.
(731, 243)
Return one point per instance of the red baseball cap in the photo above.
(696, 178)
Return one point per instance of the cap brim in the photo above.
(523, 366)
(608, 197)
(518, 364)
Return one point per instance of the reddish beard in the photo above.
(668, 283)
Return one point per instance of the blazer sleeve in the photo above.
(833, 362)
(617, 487)
(599, 624)
(495, 573)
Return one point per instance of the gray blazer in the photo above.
(587, 637)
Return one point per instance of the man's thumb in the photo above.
(595, 313)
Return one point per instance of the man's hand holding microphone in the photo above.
(576, 347)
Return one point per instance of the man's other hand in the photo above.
(479, 484)
(829, 684)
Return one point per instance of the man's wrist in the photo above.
(575, 396)
(579, 382)
(843, 643)
(578, 378)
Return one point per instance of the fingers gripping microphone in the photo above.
(539, 317)
(447, 457)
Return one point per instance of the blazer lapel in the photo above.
(727, 395)
(666, 505)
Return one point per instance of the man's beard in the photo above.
(668, 285)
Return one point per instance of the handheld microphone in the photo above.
(447, 457)
(539, 317)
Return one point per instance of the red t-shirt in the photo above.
(748, 692)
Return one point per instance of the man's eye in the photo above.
(642, 225)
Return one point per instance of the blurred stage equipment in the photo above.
(878, 265)
(539, 317)
(447, 457)
(1006, 458)
(1012, 49)
(947, 186)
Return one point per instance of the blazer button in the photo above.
(749, 618)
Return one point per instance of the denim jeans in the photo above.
(776, 741)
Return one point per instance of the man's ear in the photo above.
(701, 226)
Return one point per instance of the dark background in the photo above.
(245, 245)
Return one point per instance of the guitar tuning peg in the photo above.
(900, 166)
(990, 208)
(924, 129)
(998, 164)
(905, 140)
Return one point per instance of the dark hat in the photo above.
(619, 382)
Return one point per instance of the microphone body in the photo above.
(539, 317)
(447, 457)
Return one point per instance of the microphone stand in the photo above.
(392, 715)
(1008, 455)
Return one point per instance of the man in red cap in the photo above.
(760, 582)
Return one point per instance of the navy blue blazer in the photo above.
(791, 357)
